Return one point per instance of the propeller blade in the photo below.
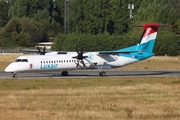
(83, 64)
(85, 57)
(44, 50)
(39, 50)
(77, 64)
(75, 57)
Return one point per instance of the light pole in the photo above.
(131, 7)
(66, 15)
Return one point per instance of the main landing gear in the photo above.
(101, 73)
(64, 73)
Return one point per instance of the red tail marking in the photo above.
(153, 29)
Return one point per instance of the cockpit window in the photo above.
(18, 60)
(21, 60)
(24, 60)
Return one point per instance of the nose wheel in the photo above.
(14, 75)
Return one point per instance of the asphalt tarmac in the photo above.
(93, 73)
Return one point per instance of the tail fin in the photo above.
(148, 38)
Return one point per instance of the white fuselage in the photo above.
(64, 62)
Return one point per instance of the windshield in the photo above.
(21, 60)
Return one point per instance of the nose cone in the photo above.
(10, 68)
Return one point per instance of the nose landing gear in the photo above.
(14, 75)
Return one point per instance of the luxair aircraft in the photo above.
(66, 61)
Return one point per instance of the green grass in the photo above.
(114, 98)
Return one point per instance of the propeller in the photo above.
(42, 52)
(80, 57)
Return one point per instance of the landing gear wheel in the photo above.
(64, 73)
(102, 74)
(14, 75)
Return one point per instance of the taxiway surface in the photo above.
(94, 73)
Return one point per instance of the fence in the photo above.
(10, 50)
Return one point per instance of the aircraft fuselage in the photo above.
(66, 62)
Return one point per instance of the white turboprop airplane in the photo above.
(55, 61)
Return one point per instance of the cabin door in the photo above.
(35, 64)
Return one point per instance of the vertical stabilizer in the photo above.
(148, 38)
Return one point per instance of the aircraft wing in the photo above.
(117, 52)
(31, 50)
(48, 52)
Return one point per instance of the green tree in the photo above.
(99, 17)
(11, 29)
(58, 12)
(167, 43)
(32, 29)
(42, 11)
(177, 26)
(151, 11)
(4, 6)
(12, 34)
(28, 8)
(23, 39)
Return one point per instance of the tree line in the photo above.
(97, 24)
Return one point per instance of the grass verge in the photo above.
(107, 98)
